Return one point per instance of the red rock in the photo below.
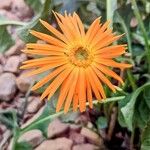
(34, 105)
(57, 144)
(23, 82)
(8, 86)
(5, 4)
(91, 136)
(76, 137)
(86, 147)
(33, 137)
(56, 127)
(15, 49)
(12, 64)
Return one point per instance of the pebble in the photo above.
(34, 137)
(76, 137)
(15, 49)
(85, 147)
(8, 86)
(56, 127)
(34, 105)
(56, 144)
(12, 64)
(91, 136)
(23, 82)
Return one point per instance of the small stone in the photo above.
(2, 59)
(23, 82)
(57, 144)
(12, 64)
(89, 125)
(37, 115)
(75, 127)
(56, 127)
(15, 49)
(91, 136)
(5, 4)
(1, 69)
(34, 105)
(20, 105)
(34, 137)
(85, 147)
(76, 137)
(23, 57)
(21, 9)
(8, 86)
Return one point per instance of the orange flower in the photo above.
(78, 61)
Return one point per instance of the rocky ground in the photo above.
(14, 94)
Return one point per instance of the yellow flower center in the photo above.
(80, 56)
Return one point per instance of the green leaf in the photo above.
(128, 109)
(5, 41)
(5, 21)
(23, 146)
(102, 123)
(121, 104)
(35, 5)
(44, 14)
(9, 118)
(145, 139)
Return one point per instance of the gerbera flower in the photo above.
(79, 61)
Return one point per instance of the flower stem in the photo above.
(141, 25)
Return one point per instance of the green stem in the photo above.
(110, 8)
(131, 80)
(141, 24)
(126, 30)
(12, 23)
(62, 112)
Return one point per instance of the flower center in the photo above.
(80, 56)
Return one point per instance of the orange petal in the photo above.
(111, 49)
(109, 72)
(48, 38)
(82, 90)
(112, 63)
(48, 77)
(71, 90)
(43, 52)
(92, 82)
(64, 91)
(80, 25)
(54, 31)
(92, 30)
(56, 83)
(53, 64)
(89, 93)
(45, 47)
(104, 79)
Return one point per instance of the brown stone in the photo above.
(21, 9)
(34, 137)
(76, 137)
(1, 69)
(57, 144)
(15, 49)
(5, 4)
(7, 86)
(23, 82)
(12, 64)
(85, 147)
(56, 127)
(75, 127)
(91, 136)
(34, 105)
